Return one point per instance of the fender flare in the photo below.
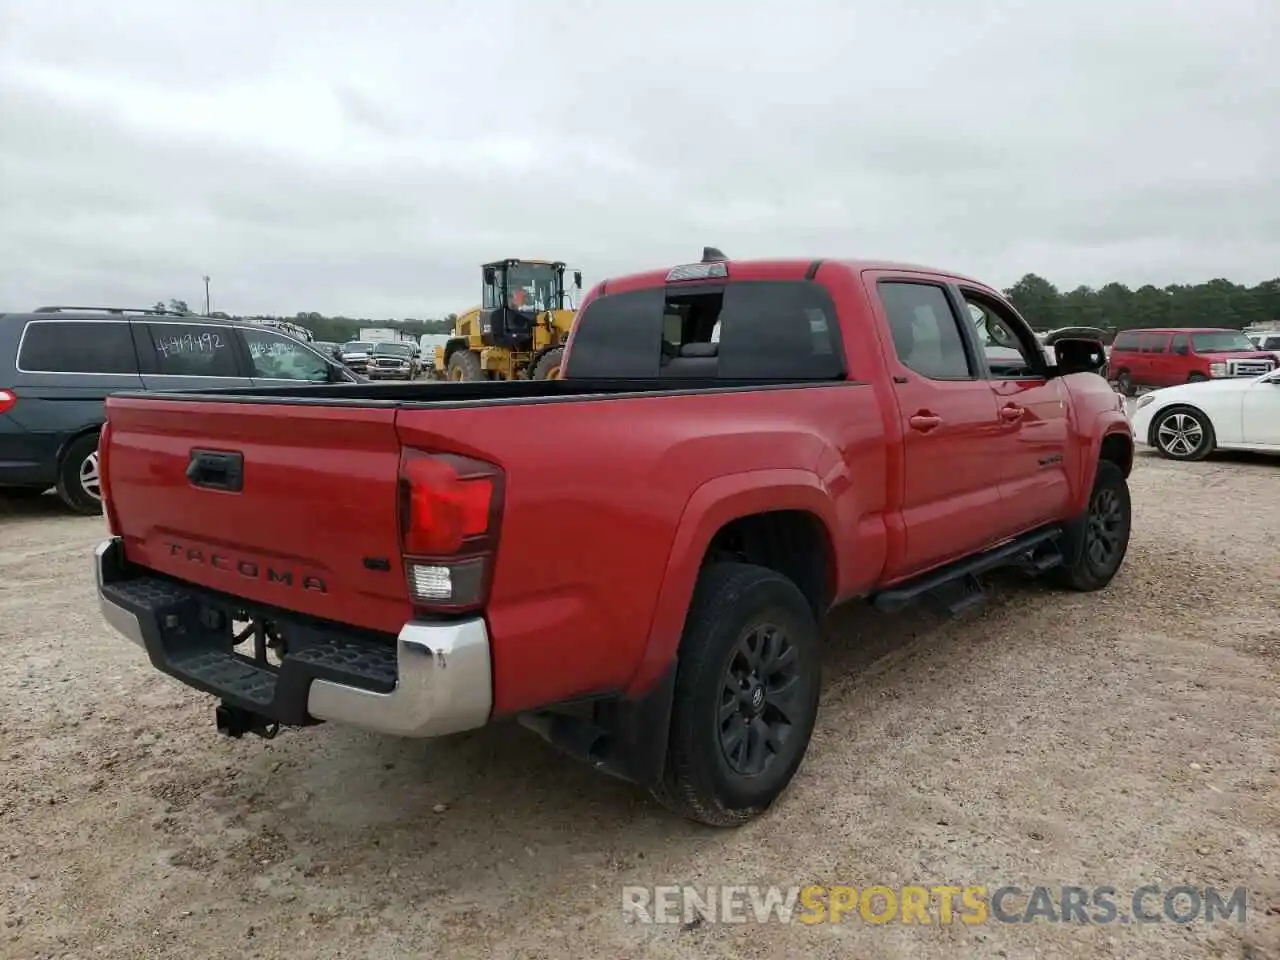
(1107, 427)
(711, 506)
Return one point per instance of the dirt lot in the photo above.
(1119, 739)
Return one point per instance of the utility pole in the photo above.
(206, 296)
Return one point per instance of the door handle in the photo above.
(924, 422)
(1011, 413)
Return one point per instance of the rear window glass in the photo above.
(752, 330)
(69, 346)
(1125, 341)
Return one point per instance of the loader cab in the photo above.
(515, 293)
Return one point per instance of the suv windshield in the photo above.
(356, 346)
(1221, 341)
(393, 349)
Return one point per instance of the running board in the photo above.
(956, 585)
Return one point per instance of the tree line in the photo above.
(1115, 307)
(1112, 307)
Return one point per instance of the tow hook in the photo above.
(235, 722)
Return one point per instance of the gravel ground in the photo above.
(1117, 739)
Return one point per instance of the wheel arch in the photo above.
(784, 517)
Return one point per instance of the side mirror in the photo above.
(1077, 355)
(577, 279)
(489, 275)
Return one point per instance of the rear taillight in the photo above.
(8, 400)
(104, 471)
(449, 512)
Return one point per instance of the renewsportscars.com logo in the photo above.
(941, 904)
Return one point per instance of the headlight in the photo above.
(1145, 400)
(1217, 369)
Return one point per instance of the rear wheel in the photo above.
(79, 483)
(548, 365)
(1094, 546)
(465, 365)
(746, 696)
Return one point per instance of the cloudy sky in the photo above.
(365, 158)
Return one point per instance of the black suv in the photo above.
(58, 364)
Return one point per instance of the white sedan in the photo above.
(1190, 421)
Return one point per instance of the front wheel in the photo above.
(1094, 546)
(1183, 433)
(465, 365)
(746, 696)
(1124, 384)
(1196, 377)
(548, 365)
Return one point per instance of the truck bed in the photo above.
(593, 496)
(484, 393)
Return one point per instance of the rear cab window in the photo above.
(777, 330)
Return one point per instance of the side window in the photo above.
(67, 346)
(1125, 341)
(278, 357)
(784, 330)
(1156, 342)
(926, 332)
(1008, 347)
(193, 350)
(1181, 345)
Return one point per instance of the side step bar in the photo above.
(956, 585)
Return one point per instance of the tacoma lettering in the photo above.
(250, 569)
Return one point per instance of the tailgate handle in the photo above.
(216, 470)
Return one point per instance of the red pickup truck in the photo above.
(632, 560)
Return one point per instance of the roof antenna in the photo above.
(712, 255)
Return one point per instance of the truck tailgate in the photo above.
(312, 526)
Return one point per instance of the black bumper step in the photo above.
(187, 633)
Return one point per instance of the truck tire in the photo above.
(548, 365)
(746, 696)
(79, 485)
(464, 365)
(1095, 544)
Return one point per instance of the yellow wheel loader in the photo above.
(519, 329)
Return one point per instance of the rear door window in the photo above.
(71, 346)
(192, 350)
(925, 329)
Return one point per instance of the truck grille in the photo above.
(1250, 368)
(388, 363)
